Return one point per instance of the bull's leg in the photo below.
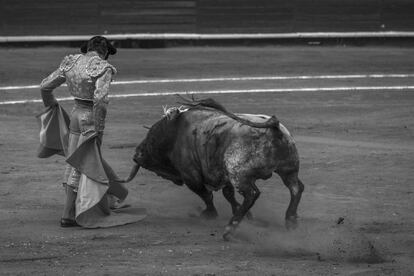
(296, 188)
(250, 193)
(207, 196)
(228, 193)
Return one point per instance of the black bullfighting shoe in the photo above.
(64, 222)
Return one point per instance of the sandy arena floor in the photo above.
(357, 156)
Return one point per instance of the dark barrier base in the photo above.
(166, 43)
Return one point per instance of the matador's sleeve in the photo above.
(49, 84)
(56, 79)
(100, 99)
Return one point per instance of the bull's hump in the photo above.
(198, 116)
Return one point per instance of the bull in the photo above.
(208, 148)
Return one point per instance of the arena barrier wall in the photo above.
(198, 19)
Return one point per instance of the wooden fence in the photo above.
(78, 17)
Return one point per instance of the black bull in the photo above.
(208, 148)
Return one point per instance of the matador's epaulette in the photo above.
(97, 66)
(68, 62)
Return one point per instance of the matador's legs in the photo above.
(71, 182)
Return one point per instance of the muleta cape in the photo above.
(98, 179)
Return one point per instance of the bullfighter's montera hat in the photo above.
(95, 42)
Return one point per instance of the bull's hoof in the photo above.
(248, 214)
(209, 214)
(291, 223)
(228, 233)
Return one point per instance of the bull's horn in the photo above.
(133, 173)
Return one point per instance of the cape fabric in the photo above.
(98, 180)
(54, 132)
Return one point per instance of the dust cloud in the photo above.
(325, 241)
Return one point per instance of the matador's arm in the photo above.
(100, 99)
(49, 84)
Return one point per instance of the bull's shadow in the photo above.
(207, 148)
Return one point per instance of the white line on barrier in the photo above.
(367, 76)
(5, 88)
(197, 36)
(276, 90)
(359, 76)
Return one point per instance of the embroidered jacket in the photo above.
(87, 77)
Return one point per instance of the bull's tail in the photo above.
(272, 122)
